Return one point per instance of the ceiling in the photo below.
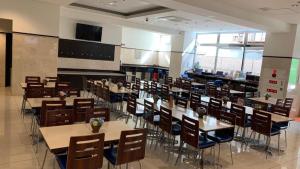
(121, 7)
(285, 10)
(184, 21)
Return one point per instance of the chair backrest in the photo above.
(225, 92)
(211, 90)
(74, 93)
(228, 118)
(165, 122)
(136, 88)
(127, 85)
(99, 112)
(189, 131)
(280, 102)
(35, 90)
(131, 104)
(82, 107)
(280, 110)
(32, 79)
(106, 93)
(146, 86)
(169, 80)
(288, 102)
(138, 81)
(62, 86)
(165, 92)
(195, 100)
(148, 111)
(240, 113)
(261, 122)
(52, 79)
(215, 107)
(99, 90)
(86, 152)
(59, 117)
(49, 106)
(181, 102)
(187, 85)
(132, 146)
(153, 88)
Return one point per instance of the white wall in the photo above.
(31, 16)
(188, 51)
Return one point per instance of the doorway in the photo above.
(5, 52)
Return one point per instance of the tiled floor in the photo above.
(16, 151)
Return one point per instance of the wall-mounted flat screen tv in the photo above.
(88, 32)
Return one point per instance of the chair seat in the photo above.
(275, 131)
(205, 143)
(139, 113)
(281, 126)
(219, 138)
(176, 129)
(62, 160)
(111, 155)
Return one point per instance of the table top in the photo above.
(178, 90)
(232, 91)
(206, 124)
(49, 85)
(197, 84)
(37, 102)
(271, 100)
(58, 137)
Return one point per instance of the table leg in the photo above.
(44, 159)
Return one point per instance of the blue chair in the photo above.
(83, 152)
(190, 135)
(225, 135)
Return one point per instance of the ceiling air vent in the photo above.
(173, 19)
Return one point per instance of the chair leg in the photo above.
(268, 145)
(231, 153)
(278, 144)
(237, 131)
(285, 137)
(179, 152)
(44, 159)
(219, 153)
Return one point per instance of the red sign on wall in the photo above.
(272, 90)
(273, 81)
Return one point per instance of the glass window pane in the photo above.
(207, 38)
(293, 79)
(256, 37)
(253, 60)
(232, 38)
(205, 57)
(230, 59)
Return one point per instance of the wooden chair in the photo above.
(165, 92)
(169, 80)
(52, 79)
(288, 102)
(195, 101)
(84, 152)
(225, 92)
(138, 81)
(211, 90)
(146, 89)
(74, 93)
(34, 90)
(153, 88)
(82, 107)
(132, 110)
(99, 112)
(62, 86)
(283, 126)
(50, 106)
(166, 125)
(58, 117)
(224, 135)
(262, 124)
(181, 102)
(190, 135)
(127, 85)
(215, 107)
(241, 118)
(136, 88)
(32, 79)
(131, 148)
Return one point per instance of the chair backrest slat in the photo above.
(165, 122)
(99, 112)
(82, 107)
(215, 107)
(190, 131)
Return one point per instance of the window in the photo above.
(253, 60)
(205, 57)
(232, 38)
(229, 52)
(207, 39)
(230, 59)
(293, 79)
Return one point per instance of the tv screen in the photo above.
(88, 32)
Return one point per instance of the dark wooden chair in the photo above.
(32, 79)
(153, 90)
(138, 81)
(131, 148)
(195, 101)
(99, 112)
(215, 107)
(169, 80)
(224, 135)
(84, 152)
(74, 93)
(262, 124)
(34, 90)
(282, 111)
(82, 107)
(132, 110)
(167, 126)
(50, 106)
(52, 79)
(181, 102)
(190, 135)
(165, 92)
(211, 90)
(127, 85)
(146, 89)
(58, 117)
(62, 86)
(288, 102)
(225, 92)
(241, 118)
(136, 88)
